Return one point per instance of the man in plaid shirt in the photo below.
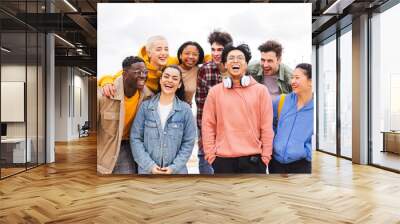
(209, 75)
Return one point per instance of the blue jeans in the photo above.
(125, 163)
(204, 166)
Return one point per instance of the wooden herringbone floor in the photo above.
(69, 191)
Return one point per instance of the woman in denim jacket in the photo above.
(164, 131)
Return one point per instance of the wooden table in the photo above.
(391, 141)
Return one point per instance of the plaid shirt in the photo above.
(208, 76)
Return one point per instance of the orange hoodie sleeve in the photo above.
(108, 79)
(267, 132)
(171, 60)
(209, 127)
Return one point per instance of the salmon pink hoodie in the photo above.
(238, 122)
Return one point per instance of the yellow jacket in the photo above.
(153, 75)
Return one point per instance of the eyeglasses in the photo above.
(140, 72)
(238, 58)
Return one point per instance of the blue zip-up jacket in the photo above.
(293, 131)
(171, 147)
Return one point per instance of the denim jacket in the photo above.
(168, 147)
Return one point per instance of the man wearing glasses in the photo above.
(237, 119)
(115, 116)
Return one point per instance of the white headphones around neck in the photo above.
(228, 82)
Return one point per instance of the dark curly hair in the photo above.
(199, 48)
(128, 61)
(222, 38)
(243, 48)
(272, 45)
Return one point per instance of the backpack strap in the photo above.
(280, 105)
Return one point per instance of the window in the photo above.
(327, 96)
(385, 88)
(22, 72)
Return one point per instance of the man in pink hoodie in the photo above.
(237, 119)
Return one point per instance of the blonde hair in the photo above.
(151, 41)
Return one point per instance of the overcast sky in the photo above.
(124, 27)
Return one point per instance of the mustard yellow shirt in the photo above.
(131, 107)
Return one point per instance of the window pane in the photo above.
(327, 97)
(41, 98)
(31, 97)
(13, 87)
(346, 93)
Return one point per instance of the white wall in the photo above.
(33, 127)
(61, 103)
(79, 115)
(70, 83)
(12, 73)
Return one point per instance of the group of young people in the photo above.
(250, 117)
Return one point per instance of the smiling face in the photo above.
(170, 81)
(136, 75)
(216, 52)
(270, 62)
(158, 53)
(300, 83)
(236, 64)
(189, 57)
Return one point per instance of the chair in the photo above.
(84, 130)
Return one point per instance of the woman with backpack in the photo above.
(293, 125)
